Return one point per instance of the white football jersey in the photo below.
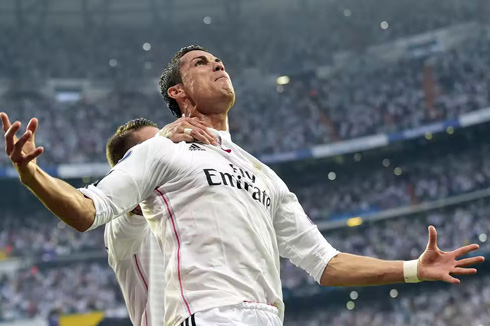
(221, 217)
(137, 261)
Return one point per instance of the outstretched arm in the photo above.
(62, 199)
(117, 194)
(433, 265)
(59, 197)
(300, 240)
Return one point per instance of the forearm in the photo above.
(351, 270)
(63, 200)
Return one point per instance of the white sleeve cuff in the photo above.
(323, 261)
(102, 210)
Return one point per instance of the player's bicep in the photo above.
(299, 239)
(290, 224)
(126, 185)
(113, 196)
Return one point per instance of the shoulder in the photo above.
(278, 183)
(157, 143)
(150, 150)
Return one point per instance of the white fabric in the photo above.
(244, 314)
(410, 271)
(137, 261)
(221, 217)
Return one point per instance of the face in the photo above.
(144, 133)
(206, 86)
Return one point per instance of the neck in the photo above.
(216, 121)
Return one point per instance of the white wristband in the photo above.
(410, 271)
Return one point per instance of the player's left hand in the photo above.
(437, 265)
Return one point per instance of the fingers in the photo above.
(5, 121)
(466, 249)
(204, 135)
(463, 271)
(199, 131)
(177, 138)
(32, 125)
(33, 155)
(200, 136)
(195, 122)
(9, 137)
(22, 141)
(469, 261)
(432, 238)
(449, 279)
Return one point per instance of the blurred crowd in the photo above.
(292, 37)
(77, 288)
(466, 304)
(77, 132)
(361, 102)
(306, 112)
(40, 236)
(401, 238)
(426, 177)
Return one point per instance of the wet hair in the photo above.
(123, 139)
(171, 76)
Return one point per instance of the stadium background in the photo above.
(375, 112)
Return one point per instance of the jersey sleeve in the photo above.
(124, 235)
(132, 180)
(298, 238)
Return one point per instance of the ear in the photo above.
(176, 92)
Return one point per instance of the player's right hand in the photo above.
(21, 151)
(175, 131)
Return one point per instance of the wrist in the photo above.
(410, 271)
(27, 174)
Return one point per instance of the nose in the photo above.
(219, 66)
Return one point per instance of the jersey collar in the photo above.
(220, 133)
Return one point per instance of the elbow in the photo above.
(81, 227)
(332, 275)
(85, 218)
(81, 224)
(327, 281)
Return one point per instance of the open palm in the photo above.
(437, 265)
(30, 144)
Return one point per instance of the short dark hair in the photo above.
(122, 140)
(171, 76)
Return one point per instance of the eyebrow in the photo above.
(205, 58)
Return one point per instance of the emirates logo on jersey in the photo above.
(239, 179)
